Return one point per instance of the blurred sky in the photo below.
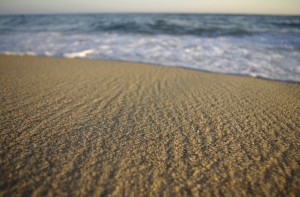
(197, 6)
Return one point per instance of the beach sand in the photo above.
(73, 127)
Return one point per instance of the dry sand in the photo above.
(103, 128)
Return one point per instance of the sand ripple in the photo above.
(101, 128)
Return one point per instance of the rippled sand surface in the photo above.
(102, 128)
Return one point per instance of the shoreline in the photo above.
(152, 64)
(81, 127)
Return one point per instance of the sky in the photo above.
(290, 7)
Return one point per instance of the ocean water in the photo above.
(253, 45)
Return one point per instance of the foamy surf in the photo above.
(79, 54)
(257, 46)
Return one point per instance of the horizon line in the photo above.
(153, 12)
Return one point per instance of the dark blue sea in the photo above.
(253, 45)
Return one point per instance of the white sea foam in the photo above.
(265, 55)
(10, 53)
(79, 54)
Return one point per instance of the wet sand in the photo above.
(73, 127)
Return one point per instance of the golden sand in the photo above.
(104, 128)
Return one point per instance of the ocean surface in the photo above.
(253, 45)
